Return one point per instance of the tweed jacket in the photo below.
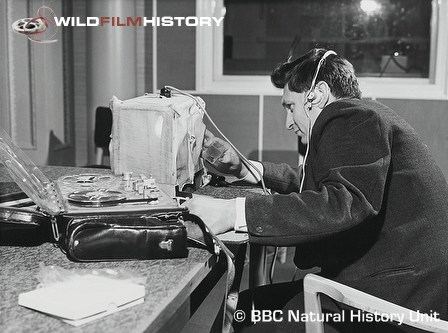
(374, 210)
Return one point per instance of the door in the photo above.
(35, 84)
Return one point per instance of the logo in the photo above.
(43, 27)
(139, 21)
(39, 29)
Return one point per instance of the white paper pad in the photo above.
(83, 299)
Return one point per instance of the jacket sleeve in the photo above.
(348, 179)
(282, 178)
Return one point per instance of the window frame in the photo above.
(210, 78)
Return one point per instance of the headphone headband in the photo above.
(319, 65)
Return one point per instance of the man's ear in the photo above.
(322, 94)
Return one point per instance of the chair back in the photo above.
(315, 285)
(103, 129)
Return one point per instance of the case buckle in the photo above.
(168, 217)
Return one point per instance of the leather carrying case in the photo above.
(123, 237)
(99, 237)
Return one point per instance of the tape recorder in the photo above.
(130, 212)
(83, 193)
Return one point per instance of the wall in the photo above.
(239, 117)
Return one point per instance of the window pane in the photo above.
(381, 38)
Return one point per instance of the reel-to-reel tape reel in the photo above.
(96, 198)
(109, 192)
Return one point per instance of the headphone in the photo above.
(309, 99)
(310, 95)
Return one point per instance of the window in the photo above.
(398, 47)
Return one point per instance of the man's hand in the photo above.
(229, 162)
(218, 214)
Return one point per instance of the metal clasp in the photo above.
(167, 216)
(167, 245)
(54, 228)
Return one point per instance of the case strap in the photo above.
(216, 246)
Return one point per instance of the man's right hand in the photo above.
(229, 162)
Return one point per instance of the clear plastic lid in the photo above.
(28, 176)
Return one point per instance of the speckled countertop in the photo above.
(169, 282)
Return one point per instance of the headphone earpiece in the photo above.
(310, 96)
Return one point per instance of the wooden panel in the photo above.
(149, 71)
(4, 76)
(66, 152)
(279, 144)
(23, 125)
(237, 118)
(47, 77)
(80, 85)
(176, 46)
(140, 55)
(430, 119)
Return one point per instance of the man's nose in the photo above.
(289, 121)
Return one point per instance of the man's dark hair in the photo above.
(336, 71)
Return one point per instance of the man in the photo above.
(371, 207)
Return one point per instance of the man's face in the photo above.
(296, 119)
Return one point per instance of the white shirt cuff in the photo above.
(253, 175)
(240, 216)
